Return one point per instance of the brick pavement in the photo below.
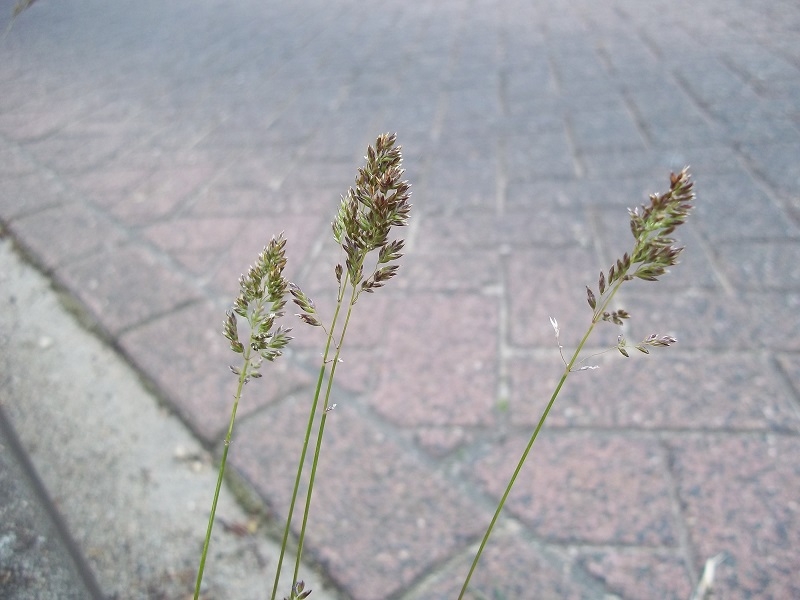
(148, 151)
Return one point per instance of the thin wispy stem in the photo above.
(369, 211)
(260, 303)
(653, 252)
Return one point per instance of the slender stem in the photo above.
(312, 413)
(318, 447)
(242, 379)
(539, 425)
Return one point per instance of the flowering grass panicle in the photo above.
(653, 251)
(260, 303)
(367, 214)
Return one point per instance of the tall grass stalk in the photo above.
(653, 252)
(260, 303)
(366, 216)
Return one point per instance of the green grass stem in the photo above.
(242, 379)
(567, 370)
(320, 433)
(309, 427)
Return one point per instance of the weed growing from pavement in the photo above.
(361, 227)
(367, 214)
(260, 303)
(653, 253)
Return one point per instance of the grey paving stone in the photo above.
(92, 232)
(130, 483)
(126, 287)
(35, 560)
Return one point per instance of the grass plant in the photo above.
(366, 217)
(367, 214)
(260, 304)
(652, 254)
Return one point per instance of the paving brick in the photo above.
(29, 192)
(624, 55)
(743, 127)
(162, 193)
(447, 189)
(513, 567)
(639, 574)
(712, 83)
(746, 322)
(125, 287)
(25, 125)
(611, 126)
(230, 257)
(665, 104)
(761, 66)
(774, 162)
(758, 266)
(439, 364)
(368, 327)
(614, 193)
(708, 161)
(58, 152)
(453, 271)
(729, 484)
(438, 442)
(516, 228)
(737, 391)
(257, 173)
(551, 192)
(716, 320)
(790, 366)
(544, 284)
(14, 162)
(199, 243)
(585, 488)
(542, 155)
(105, 186)
(526, 83)
(91, 232)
